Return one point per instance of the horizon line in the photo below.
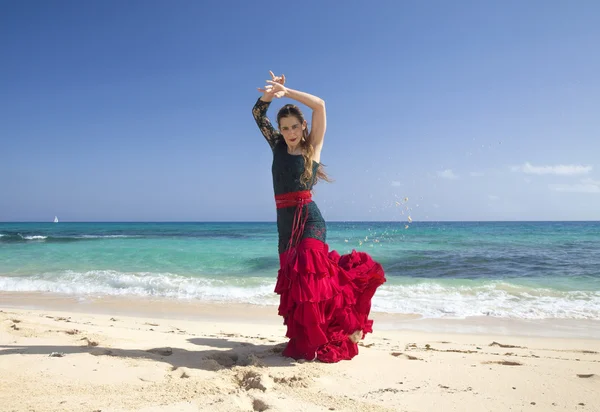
(274, 222)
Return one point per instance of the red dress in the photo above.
(324, 297)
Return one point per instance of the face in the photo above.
(292, 130)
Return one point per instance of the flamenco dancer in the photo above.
(325, 298)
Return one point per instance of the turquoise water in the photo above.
(446, 269)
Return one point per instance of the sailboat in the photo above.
(55, 219)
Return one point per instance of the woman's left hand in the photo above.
(275, 88)
(278, 79)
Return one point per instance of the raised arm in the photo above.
(319, 116)
(259, 112)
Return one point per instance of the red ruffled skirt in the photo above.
(324, 298)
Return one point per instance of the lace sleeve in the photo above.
(259, 111)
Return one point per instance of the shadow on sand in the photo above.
(230, 353)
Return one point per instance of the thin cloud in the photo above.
(396, 183)
(559, 170)
(585, 186)
(476, 174)
(591, 182)
(493, 197)
(447, 174)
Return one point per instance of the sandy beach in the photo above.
(62, 354)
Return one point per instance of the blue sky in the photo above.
(141, 110)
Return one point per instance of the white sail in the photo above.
(55, 219)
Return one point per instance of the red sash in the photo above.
(298, 200)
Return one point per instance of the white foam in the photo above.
(109, 282)
(497, 299)
(37, 237)
(429, 299)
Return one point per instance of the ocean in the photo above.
(526, 270)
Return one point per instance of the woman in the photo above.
(325, 298)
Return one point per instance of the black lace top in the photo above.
(286, 170)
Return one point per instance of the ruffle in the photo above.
(324, 297)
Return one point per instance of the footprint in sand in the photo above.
(453, 390)
(56, 355)
(210, 365)
(259, 405)
(89, 342)
(161, 351)
(14, 324)
(253, 379)
(294, 381)
(409, 357)
(384, 390)
(506, 363)
(428, 347)
(226, 360)
(506, 346)
(252, 360)
(181, 372)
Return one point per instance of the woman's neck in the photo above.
(296, 151)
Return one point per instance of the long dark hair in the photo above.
(308, 151)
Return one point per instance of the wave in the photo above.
(493, 298)
(20, 238)
(36, 237)
(428, 299)
(115, 283)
